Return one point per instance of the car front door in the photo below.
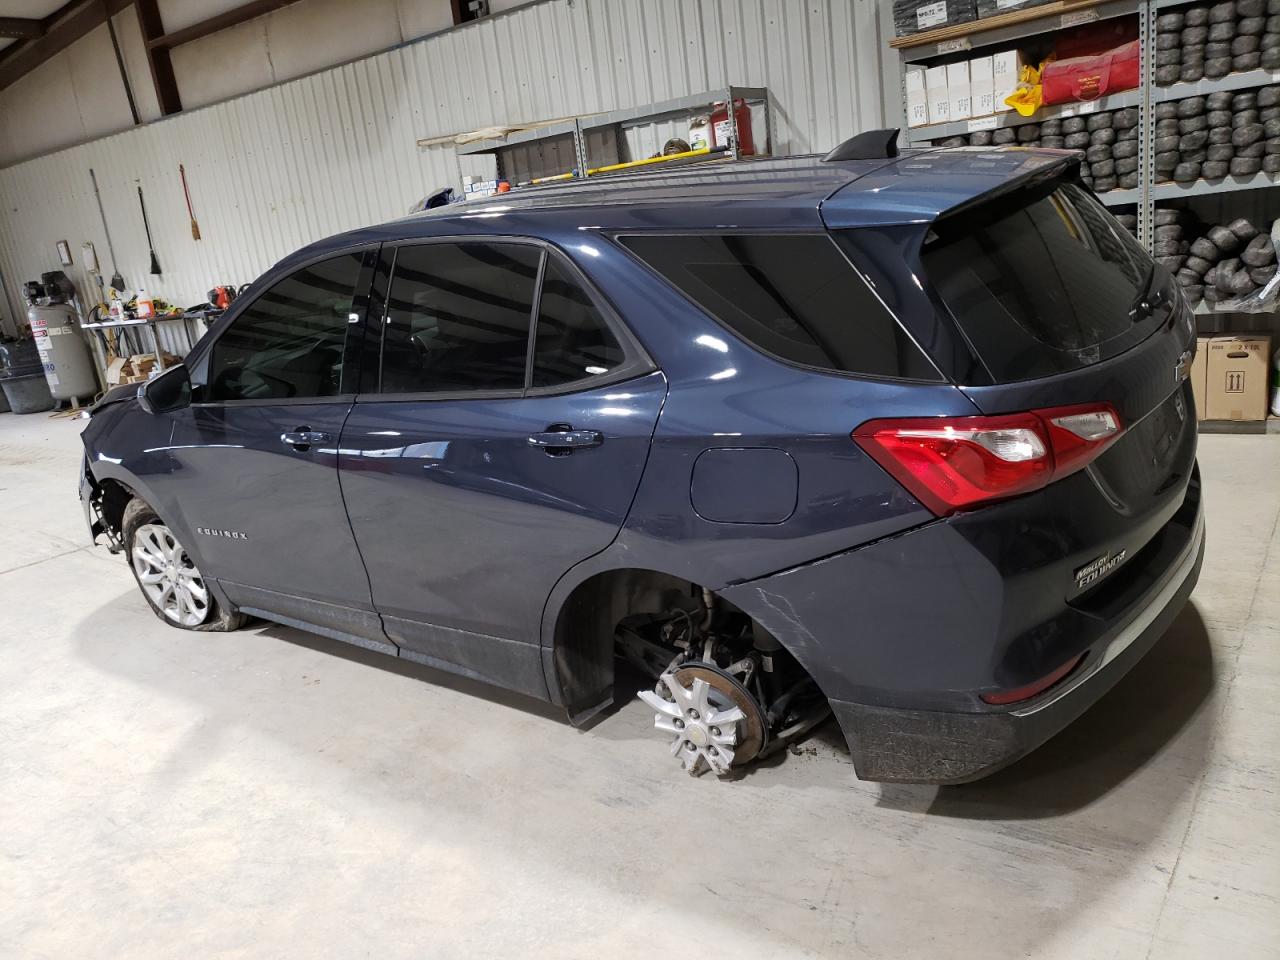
(256, 453)
(497, 453)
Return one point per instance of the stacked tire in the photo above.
(1213, 40)
(1224, 263)
(1108, 139)
(1227, 133)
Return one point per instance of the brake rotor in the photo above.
(714, 721)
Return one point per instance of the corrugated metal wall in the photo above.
(276, 169)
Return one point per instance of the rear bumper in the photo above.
(926, 746)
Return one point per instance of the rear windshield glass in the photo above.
(794, 296)
(1042, 283)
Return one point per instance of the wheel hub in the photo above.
(713, 721)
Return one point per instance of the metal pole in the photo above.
(1146, 125)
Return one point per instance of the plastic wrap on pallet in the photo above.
(991, 8)
(913, 16)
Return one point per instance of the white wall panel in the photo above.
(275, 169)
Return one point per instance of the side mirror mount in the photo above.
(168, 392)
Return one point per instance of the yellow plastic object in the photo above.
(613, 167)
(1029, 95)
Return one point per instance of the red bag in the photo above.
(1088, 78)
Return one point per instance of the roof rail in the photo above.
(868, 145)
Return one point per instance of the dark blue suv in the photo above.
(904, 438)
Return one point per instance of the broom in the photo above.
(195, 227)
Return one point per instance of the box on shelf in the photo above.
(958, 92)
(917, 99)
(935, 84)
(991, 8)
(1006, 68)
(982, 86)
(1200, 374)
(1237, 376)
(915, 16)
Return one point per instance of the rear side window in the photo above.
(458, 317)
(289, 342)
(794, 296)
(1041, 283)
(572, 341)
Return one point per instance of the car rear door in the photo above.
(255, 455)
(496, 453)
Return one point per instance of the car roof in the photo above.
(803, 192)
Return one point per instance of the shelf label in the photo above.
(958, 45)
(931, 14)
(1087, 106)
(981, 123)
(1078, 17)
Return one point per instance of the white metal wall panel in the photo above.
(274, 170)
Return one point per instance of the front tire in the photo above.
(168, 578)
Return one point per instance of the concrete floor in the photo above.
(270, 793)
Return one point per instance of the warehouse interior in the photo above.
(275, 790)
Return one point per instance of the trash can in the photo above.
(22, 377)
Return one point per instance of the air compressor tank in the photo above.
(68, 365)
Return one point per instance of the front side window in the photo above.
(458, 317)
(793, 295)
(289, 342)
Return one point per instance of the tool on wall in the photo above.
(151, 247)
(195, 227)
(117, 281)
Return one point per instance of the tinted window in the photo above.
(1041, 283)
(458, 317)
(573, 341)
(289, 341)
(796, 297)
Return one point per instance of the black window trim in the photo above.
(361, 296)
(620, 235)
(636, 360)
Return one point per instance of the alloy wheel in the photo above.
(168, 577)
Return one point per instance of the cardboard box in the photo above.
(935, 82)
(982, 86)
(958, 91)
(1006, 67)
(1238, 372)
(1200, 374)
(917, 99)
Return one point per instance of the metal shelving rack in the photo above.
(581, 127)
(1004, 29)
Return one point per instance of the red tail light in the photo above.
(952, 463)
(1032, 689)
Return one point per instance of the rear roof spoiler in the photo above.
(921, 186)
(868, 145)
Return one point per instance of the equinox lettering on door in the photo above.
(227, 534)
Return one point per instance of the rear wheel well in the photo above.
(584, 635)
(652, 619)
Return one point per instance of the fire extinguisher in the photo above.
(720, 127)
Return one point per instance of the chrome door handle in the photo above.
(303, 438)
(566, 439)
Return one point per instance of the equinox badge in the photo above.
(1095, 570)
